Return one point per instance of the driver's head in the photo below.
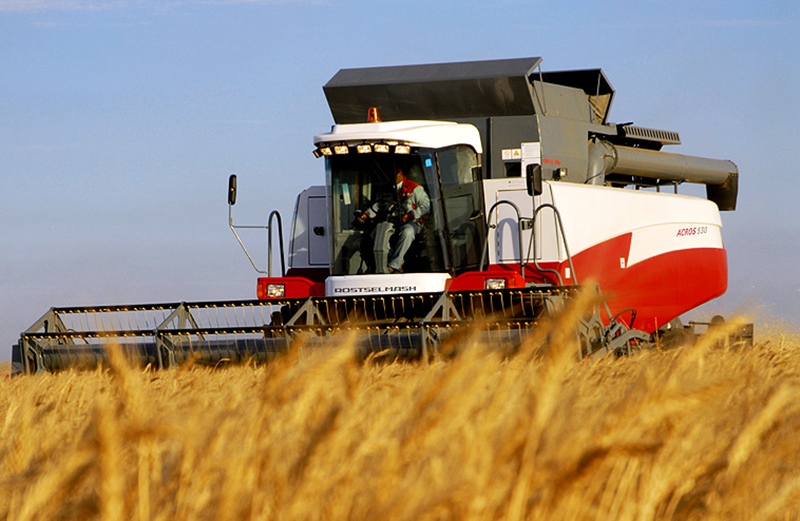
(399, 173)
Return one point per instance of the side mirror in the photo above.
(533, 178)
(232, 190)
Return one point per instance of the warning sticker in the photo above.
(511, 154)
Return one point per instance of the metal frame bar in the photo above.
(413, 324)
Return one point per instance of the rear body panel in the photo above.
(659, 253)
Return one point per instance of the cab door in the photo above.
(462, 203)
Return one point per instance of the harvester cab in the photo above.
(444, 209)
(455, 194)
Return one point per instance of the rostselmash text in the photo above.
(376, 289)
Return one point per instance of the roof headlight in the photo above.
(341, 149)
(402, 149)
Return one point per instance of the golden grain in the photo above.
(698, 432)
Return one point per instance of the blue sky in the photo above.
(120, 122)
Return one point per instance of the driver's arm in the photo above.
(369, 213)
(421, 201)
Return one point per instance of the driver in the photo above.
(414, 203)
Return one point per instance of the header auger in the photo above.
(456, 195)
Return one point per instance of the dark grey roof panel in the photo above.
(592, 81)
(433, 91)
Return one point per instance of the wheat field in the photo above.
(698, 432)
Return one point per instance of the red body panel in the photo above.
(476, 280)
(659, 288)
(665, 286)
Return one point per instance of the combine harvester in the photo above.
(514, 187)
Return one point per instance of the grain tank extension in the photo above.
(487, 190)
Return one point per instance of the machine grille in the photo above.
(665, 137)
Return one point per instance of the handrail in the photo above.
(275, 213)
(563, 239)
(519, 234)
(524, 260)
(268, 227)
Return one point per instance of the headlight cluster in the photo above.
(495, 283)
(276, 290)
(327, 149)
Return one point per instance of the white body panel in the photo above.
(591, 215)
(385, 284)
(594, 214)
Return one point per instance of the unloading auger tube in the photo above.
(392, 326)
(612, 163)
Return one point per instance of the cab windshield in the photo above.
(405, 213)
